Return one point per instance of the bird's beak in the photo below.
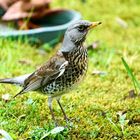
(94, 24)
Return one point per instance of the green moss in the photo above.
(98, 99)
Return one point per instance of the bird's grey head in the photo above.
(76, 34)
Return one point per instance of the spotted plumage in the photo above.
(74, 71)
(63, 70)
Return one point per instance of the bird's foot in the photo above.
(69, 122)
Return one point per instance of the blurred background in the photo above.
(106, 104)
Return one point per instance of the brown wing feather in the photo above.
(46, 73)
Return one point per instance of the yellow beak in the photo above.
(94, 24)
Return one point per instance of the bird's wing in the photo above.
(53, 69)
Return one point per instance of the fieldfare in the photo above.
(61, 71)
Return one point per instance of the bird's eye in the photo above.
(81, 28)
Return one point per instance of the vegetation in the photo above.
(101, 106)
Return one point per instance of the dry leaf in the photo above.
(6, 3)
(36, 4)
(6, 97)
(97, 72)
(121, 22)
(132, 94)
(24, 9)
(15, 12)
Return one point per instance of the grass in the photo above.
(97, 101)
(131, 75)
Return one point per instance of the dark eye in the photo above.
(81, 28)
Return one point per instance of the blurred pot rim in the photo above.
(76, 16)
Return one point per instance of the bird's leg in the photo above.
(65, 116)
(51, 110)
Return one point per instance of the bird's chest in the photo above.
(74, 72)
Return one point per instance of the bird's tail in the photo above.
(7, 81)
(17, 80)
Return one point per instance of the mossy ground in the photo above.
(96, 101)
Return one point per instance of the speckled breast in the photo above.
(74, 72)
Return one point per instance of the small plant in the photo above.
(123, 122)
(53, 133)
(131, 75)
(114, 126)
(37, 133)
(58, 133)
(119, 127)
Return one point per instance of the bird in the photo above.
(63, 70)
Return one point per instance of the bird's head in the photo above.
(76, 33)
